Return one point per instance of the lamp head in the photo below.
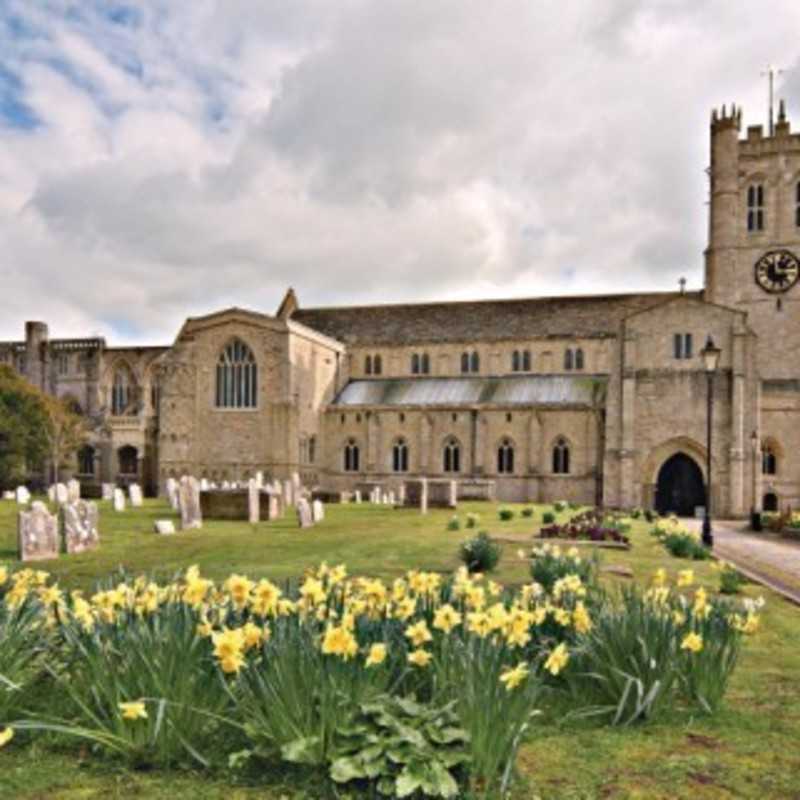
(710, 354)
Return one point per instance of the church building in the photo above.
(593, 399)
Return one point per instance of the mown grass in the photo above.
(749, 749)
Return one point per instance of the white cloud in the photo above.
(195, 155)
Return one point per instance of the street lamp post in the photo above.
(710, 354)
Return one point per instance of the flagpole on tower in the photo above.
(770, 73)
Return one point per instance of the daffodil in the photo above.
(581, 619)
(514, 677)
(133, 710)
(6, 736)
(446, 618)
(693, 642)
(376, 655)
(685, 578)
(418, 633)
(338, 641)
(557, 660)
(419, 658)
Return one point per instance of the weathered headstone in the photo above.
(275, 505)
(164, 527)
(260, 479)
(296, 483)
(392, 498)
(73, 490)
(401, 497)
(288, 497)
(453, 498)
(80, 526)
(317, 511)
(62, 493)
(225, 485)
(357, 497)
(119, 500)
(23, 496)
(37, 533)
(135, 494)
(191, 516)
(172, 493)
(51, 493)
(423, 496)
(204, 485)
(305, 518)
(107, 490)
(253, 502)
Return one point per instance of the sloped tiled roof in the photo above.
(481, 320)
(524, 390)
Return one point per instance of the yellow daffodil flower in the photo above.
(133, 710)
(446, 618)
(557, 659)
(376, 655)
(692, 642)
(419, 658)
(6, 736)
(514, 677)
(418, 633)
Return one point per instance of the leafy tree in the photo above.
(35, 429)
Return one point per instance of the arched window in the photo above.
(451, 455)
(526, 361)
(505, 457)
(86, 460)
(561, 457)
(377, 366)
(303, 450)
(400, 456)
(770, 502)
(237, 377)
(515, 361)
(128, 460)
(769, 460)
(579, 359)
(122, 392)
(426, 364)
(755, 207)
(415, 364)
(568, 359)
(475, 362)
(351, 456)
(465, 362)
(312, 449)
(368, 365)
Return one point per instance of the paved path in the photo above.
(762, 556)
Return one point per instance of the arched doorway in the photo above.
(680, 488)
(770, 502)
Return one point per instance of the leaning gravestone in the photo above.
(135, 494)
(253, 502)
(37, 533)
(80, 526)
(304, 515)
(73, 491)
(317, 511)
(119, 500)
(164, 527)
(23, 496)
(189, 490)
(107, 491)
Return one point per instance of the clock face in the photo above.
(777, 271)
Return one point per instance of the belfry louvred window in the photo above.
(237, 377)
(755, 207)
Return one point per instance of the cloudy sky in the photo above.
(162, 159)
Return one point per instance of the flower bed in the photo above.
(423, 685)
(593, 525)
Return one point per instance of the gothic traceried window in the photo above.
(516, 363)
(769, 460)
(351, 456)
(237, 377)
(312, 449)
(451, 455)
(475, 362)
(579, 359)
(569, 362)
(505, 457)
(415, 366)
(561, 457)
(465, 362)
(526, 360)
(377, 366)
(425, 364)
(123, 392)
(368, 365)
(86, 460)
(400, 456)
(128, 457)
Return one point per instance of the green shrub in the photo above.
(480, 554)
(454, 524)
(685, 544)
(548, 518)
(472, 520)
(730, 580)
(560, 506)
(506, 514)
(636, 513)
(527, 512)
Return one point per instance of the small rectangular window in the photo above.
(755, 208)
(682, 345)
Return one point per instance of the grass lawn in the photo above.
(750, 749)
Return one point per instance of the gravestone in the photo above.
(23, 496)
(119, 500)
(288, 497)
(191, 516)
(357, 496)
(107, 491)
(51, 493)
(423, 496)
(80, 526)
(391, 498)
(73, 491)
(37, 533)
(275, 510)
(204, 486)
(135, 494)
(401, 495)
(453, 498)
(62, 494)
(344, 497)
(296, 484)
(164, 527)
(305, 518)
(260, 479)
(317, 511)
(172, 493)
(253, 502)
